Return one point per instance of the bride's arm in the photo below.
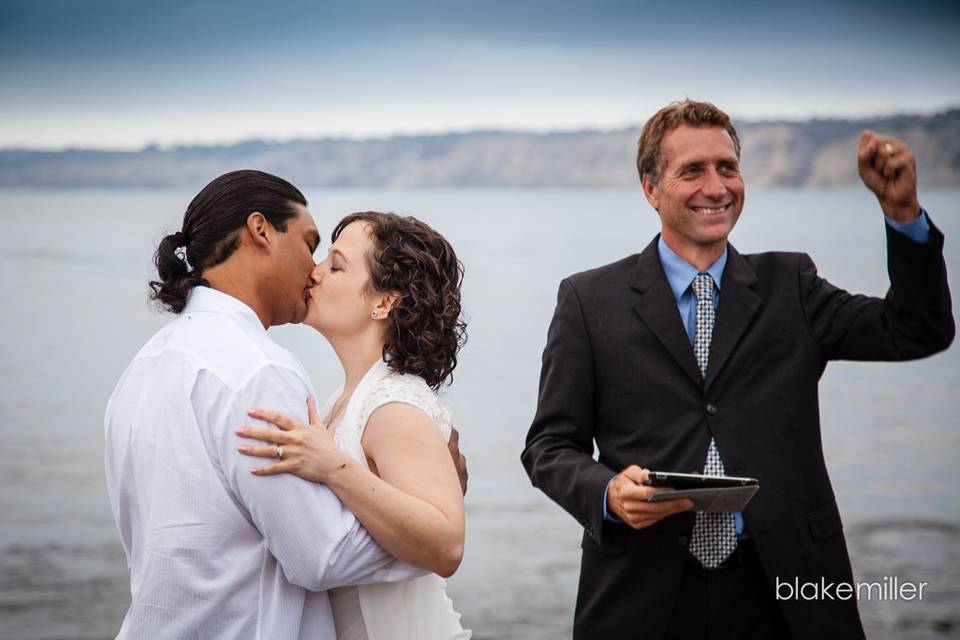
(414, 509)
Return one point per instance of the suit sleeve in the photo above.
(914, 320)
(559, 450)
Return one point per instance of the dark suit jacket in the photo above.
(618, 369)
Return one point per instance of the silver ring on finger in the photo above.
(279, 451)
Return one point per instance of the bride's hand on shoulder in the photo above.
(305, 450)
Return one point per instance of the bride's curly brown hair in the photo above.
(425, 330)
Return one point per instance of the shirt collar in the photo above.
(209, 300)
(680, 273)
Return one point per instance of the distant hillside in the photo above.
(814, 153)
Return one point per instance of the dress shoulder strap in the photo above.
(409, 389)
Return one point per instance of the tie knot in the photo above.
(703, 286)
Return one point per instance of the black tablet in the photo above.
(696, 481)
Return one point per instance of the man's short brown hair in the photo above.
(650, 160)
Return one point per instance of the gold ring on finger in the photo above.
(888, 148)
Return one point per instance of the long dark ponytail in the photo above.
(210, 230)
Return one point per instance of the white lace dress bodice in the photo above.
(416, 609)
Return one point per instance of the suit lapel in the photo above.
(738, 304)
(658, 310)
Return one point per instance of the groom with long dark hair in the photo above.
(214, 551)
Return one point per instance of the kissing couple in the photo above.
(349, 528)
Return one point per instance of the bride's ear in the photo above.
(384, 305)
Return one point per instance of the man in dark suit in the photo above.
(693, 357)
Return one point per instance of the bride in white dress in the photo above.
(387, 298)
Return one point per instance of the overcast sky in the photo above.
(124, 74)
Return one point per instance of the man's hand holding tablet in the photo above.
(629, 498)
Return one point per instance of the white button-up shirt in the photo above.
(214, 551)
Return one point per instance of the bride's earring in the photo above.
(375, 314)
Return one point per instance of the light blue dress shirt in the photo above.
(680, 274)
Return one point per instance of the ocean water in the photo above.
(74, 268)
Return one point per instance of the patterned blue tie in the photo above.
(714, 534)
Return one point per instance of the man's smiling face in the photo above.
(700, 192)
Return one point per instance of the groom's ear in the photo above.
(259, 230)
